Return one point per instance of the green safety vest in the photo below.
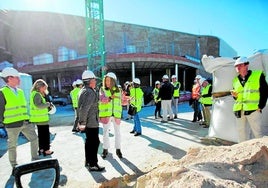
(176, 91)
(156, 93)
(206, 100)
(38, 114)
(248, 96)
(112, 108)
(137, 95)
(15, 107)
(74, 96)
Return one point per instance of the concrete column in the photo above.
(151, 78)
(133, 70)
(184, 78)
(176, 70)
(59, 81)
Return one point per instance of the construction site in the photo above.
(59, 47)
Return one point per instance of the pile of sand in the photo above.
(240, 165)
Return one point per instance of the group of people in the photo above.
(166, 97)
(201, 100)
(19, 117)
(103, 105)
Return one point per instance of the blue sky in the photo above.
(243, 24)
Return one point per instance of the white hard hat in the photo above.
(241, 60)
(79, 82)
(137, 81)
(9, 71)
(173, 76)
(74, 83)
(111, 75)
(52, 110)
(157, 82)
(87, 74)
(165, 77)
(201, 81)
(198, 76)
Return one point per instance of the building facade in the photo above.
(53, 47)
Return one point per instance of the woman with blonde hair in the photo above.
(39, 115)
(110, 112)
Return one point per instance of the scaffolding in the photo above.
(95, 37)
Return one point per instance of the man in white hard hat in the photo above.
(78, 84)
(88, 116)
(206, 101)
(250, 92)
(136, 95)
(14, 115)
(165, 94)
(176, 94)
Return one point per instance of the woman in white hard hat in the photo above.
(39, 115)
(110, 112)
(88, 120)
(136, 95)
(157, 101)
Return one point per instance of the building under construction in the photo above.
(53, 47)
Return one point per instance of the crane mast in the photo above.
(95, 37)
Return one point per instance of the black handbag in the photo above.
(132, 110)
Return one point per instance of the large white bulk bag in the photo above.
(256, 62)
(222, 123)
(222, 70)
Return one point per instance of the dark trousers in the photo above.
(92, 145)
(43, 137)
(157, 109)
(75, 119)
(197, 110)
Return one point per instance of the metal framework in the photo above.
(95, 36)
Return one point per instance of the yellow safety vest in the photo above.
(137, 95)
(176, 91)
(206, 100)
(249, 95)
(74, 96)
(38, 114)
(15, 107)
(156, 93)
(112, 108)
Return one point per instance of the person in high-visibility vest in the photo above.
(250, 91)
(196, 93)
(176, 95)
(157, 102)
(206, 101)
(14, 115)
(39, 115)
(110, 112)
(136, 95)
(78, 84)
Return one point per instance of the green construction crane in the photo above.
(95, 37)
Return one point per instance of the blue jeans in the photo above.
(137, 123)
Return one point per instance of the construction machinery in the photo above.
(95, 37)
